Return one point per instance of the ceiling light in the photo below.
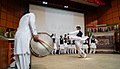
(65, 6)
(44, 2)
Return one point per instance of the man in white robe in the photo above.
(25, 31)
(77, 36)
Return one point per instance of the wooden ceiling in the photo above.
(73, 5)
(85, 2)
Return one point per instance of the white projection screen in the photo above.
(57, 21)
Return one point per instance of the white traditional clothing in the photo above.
(22, 40)
(93, 45)
(72, 47)
(23, 61)
(78, 42)
(55, 49)
(61, 45)
(85, 46)
(66, 50)
(55, 46)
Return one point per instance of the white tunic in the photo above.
(77, 39)
(24, 33)
(73, 36)
(93, 45)
(78, 42)
(85, 45)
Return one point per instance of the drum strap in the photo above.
(44, 46)
(44, 42)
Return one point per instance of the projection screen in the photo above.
(57, 21)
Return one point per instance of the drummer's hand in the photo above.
(35, 38)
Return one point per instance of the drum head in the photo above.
(40, 49)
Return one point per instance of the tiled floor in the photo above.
(73, 61)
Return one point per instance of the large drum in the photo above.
(41, 49)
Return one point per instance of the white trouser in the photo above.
(78, 47)
(61, 50)
(66, 50)
(92, 50)
(85, 50)
(74, 49)
(55, 49)
(22, 61)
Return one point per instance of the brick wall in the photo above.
(109, 14)
(10, 13)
